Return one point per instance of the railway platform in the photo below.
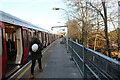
(56, 63)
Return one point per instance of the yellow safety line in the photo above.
(29, 66)
(23, 72)
(44, 51)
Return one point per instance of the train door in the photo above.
(30, 35)
(14, 43)
(3, 53)
(47, 39)
(40, 36)
(50, 36)
(19, 46)
(26, 44)
(43, 39)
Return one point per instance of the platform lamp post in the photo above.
(67, 24)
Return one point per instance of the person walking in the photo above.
(35, 50)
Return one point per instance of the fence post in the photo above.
(84, 61)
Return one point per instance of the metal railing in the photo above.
(92, 64)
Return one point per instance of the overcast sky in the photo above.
(38, 12)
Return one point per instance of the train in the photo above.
(15, 37)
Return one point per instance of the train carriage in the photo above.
(15, 37)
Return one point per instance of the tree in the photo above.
(104, 17)
(74, 32)
(79, 11)
(93, 16)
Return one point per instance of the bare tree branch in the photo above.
(97, 10)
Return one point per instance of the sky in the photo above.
(38, 12)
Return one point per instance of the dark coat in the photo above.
(38, 54)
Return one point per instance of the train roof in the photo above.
(5, 17)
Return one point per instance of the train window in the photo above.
(25, 38)
(1, 47)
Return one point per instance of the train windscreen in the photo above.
(1, 47)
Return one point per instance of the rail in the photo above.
(92, 64)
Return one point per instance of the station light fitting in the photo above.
(55, 8)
